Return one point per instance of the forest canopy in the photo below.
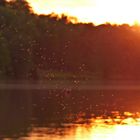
(37, 46)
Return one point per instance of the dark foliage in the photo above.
(32, 46)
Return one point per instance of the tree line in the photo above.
(37, 46)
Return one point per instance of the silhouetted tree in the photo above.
(20, 5)
(33, 45)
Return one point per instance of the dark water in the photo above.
(69, 114)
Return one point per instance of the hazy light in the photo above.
(126, 127)
(97, 11)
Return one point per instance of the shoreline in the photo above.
(70, 85)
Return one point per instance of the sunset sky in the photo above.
(96, 11)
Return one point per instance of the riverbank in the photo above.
(70, 85)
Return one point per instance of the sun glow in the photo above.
(110, 129)
(96, 129)
(96, 11)
(117, 126)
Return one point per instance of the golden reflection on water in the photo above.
(125, 127)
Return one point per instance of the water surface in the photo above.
(69, 114)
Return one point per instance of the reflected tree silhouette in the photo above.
(15, 113)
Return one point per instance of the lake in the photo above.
(66, 114)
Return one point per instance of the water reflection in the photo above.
(69, 115)
(15, 113)
(97, 129)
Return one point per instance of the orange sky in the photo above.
(96, 11)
